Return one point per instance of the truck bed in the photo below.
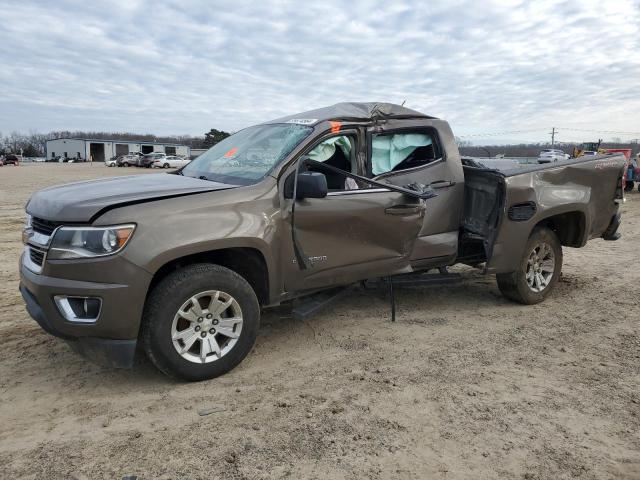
(506, 200)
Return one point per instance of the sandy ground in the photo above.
(464, 385)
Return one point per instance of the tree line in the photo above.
(34, 144)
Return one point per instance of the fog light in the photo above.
(79, 309)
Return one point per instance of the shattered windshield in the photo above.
(247, 156)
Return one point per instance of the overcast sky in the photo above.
(183, 67)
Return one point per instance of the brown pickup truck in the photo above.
(181, 264)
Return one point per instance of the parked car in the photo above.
(12, 159)
(170, 161)
(112, 162)
(182, 264)
(149, 159)
(129, 160)
(551, 155)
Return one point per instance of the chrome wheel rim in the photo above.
(540, 267)
(207, 326)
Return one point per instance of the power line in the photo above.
(553, 132)
(600, 131)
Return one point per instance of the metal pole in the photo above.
(392, 297)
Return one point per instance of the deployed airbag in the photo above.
(388, 151)
(325, 150)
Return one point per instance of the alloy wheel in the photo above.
(540, 267)
(207, 326)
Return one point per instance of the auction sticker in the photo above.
(303, 121)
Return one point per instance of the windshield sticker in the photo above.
(231, 152)
(303, 121)
(335, 127)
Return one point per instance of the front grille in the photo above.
(43, 226)
(36, 255)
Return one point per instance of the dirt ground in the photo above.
(464, 385)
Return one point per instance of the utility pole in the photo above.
(553, 136)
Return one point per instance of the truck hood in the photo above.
(82, 201)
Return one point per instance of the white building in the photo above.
(100, 150)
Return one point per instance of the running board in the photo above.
(416, 279)
(308, 306)
(410, 280)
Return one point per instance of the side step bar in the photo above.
(309, 306)
(306, 307)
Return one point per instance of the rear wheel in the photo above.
(166, 165)
(538, 271)
(200, 322)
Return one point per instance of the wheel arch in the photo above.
(248, 262)
(569, 226)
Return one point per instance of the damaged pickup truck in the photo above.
(181, 264)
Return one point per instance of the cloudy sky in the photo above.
(491, 68)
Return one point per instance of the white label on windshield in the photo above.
(303, 121)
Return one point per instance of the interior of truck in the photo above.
(392, 152)
(335, 152)
(484, 193)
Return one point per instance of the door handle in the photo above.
(405, 209)
(441, 184)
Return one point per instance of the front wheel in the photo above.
(538, 270)
(166, 165)
(200, 322)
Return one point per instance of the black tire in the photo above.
(166, 165)
(514, 285)
(168, 296)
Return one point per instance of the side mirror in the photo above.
(310, 185)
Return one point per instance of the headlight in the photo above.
(87, 242)
(27, 230)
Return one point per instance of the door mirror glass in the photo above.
(310, 185)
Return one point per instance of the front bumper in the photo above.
(111, 340)
(102, 351)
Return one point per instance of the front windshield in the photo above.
(246, 157)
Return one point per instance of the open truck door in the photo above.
(410, 152)
(347, 227)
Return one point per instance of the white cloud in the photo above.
(184, 67)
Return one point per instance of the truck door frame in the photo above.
(378, 202)
(437, 242)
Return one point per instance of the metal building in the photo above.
(100, 150)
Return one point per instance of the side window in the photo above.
(392, 152)
(337, 152)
